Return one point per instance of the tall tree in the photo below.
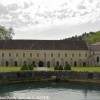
(6, 34)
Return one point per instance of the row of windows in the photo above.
(41, 63)
(44, 55)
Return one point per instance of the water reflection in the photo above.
(84, 91)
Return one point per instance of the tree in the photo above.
(6, 34)
(67, 66)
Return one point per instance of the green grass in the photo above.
(52, 68)
(10, 68)
(82, 68)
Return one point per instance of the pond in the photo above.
(51, 91)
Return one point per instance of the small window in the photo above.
(72, 55)
(97, 59)
(7, 63)
(79, 55)
(58, 54)
(57, 63)
(30, 54)
(23, 54)
(44, 54)
(65, 54)
(51, 54)
(2, 54)
(16, 54)
(37, 54)
(9, 54)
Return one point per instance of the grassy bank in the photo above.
(10, 68)
(52, 68)
(82, 68)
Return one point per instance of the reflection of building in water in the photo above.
(48, 52)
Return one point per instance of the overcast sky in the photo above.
(50, 19)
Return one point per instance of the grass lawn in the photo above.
(10, 68)
(82, 68)
(52, 68)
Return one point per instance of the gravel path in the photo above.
(42, 69)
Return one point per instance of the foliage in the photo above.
(25, 67)
(90, 38)
(60, 67)
(67, 66)
(31, 67)
(6, 34)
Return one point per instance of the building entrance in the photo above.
(41, 64)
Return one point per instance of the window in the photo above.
(65, 54)
(57, 63)
(51, 54)
(48, 64)
(97, 59)
(30, 54)
(44, 54)
(58, 54)
(72, 55)
(79, 55)
(9, 54)
(2, 54)
(37, 54)
(16, 54)
(7, 63)
(23, 54)
(15, 63)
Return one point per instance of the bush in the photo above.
(60, 67)
(25, 67)
(31, 67)
(56, 67)
(67, 66)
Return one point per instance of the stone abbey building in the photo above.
(42, 52)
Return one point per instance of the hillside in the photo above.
(91, 37)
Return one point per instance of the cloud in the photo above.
(28, 14)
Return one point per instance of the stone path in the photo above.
(42, 69)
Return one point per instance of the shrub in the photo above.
(25, 67)
(60, 67)
(67, 66)
(31, 67)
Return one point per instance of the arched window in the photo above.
(7, 63)
(84, 64)
(33, 63)
(24, 62)
(97, 59)
(15, 63)
(48, 64)
(57, 63)
(75, 64)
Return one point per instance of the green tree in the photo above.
(67, 66)
(25, 67)
(6, 34)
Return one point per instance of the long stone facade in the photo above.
(42, 52)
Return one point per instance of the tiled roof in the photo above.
(95, 46)
(43, 45)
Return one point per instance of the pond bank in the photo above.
(66, 76)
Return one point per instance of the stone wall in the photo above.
(33, 75)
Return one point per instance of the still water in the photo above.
(51, 91)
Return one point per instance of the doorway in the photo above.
(41, 64)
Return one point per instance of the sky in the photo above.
(50, 19)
